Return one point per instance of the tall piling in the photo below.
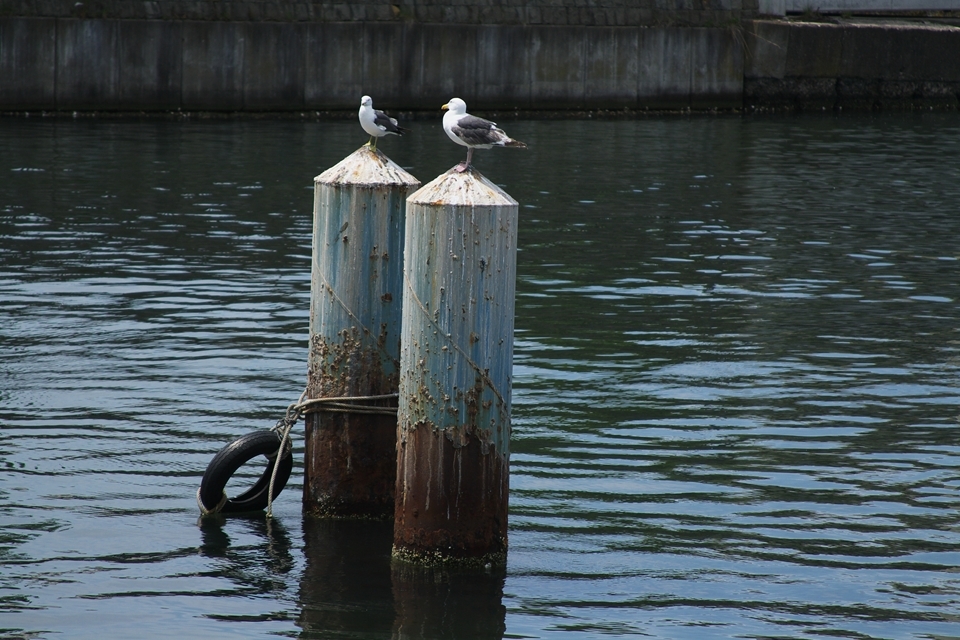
(355, 313)
(453, 436)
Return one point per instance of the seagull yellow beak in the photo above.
(444, 107)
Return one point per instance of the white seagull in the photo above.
(376, 122)
(473, 132)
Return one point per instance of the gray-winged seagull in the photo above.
(376, 122)
(473, 132)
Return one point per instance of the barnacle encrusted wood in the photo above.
(455, 371)
(356, 288)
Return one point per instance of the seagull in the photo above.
(473, 132)
(376, 122)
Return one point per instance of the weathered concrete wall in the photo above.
(850, 64)
(28, 64)
(862, 7)
(66, 64)
(621, 13)
(163, 65)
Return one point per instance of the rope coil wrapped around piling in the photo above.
(275, 445)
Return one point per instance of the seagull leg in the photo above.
(372, 143)
(463, 166)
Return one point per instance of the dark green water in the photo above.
(736, 404)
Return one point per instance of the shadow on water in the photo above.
(350, 588)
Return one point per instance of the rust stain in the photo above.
(345, 475)
(454, 421)
(351, 469)
(350, 459)
(451, 498)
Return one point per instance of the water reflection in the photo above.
(439, 602)
(258, 567)
(345, 588)
(350, 588)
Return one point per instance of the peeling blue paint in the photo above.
(458, 310)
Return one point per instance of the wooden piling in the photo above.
(455, 372)
(355, 313)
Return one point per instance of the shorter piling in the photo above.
(355, 312)
(456, 362)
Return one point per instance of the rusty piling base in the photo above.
(350, 466)
(451, 499)
(441, 559)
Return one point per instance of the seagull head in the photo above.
(366, 101)
(456, 105)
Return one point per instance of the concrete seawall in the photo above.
(592, 13)
(192, 65)
(48, 63)
(858, 64)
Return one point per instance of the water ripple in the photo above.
(735, 382)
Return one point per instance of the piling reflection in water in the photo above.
(350, 588)
(448, 602)
(345, 589)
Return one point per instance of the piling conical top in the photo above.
(470, 188)
(366, 167)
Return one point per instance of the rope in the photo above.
(283, 426)
(341, 404)
(284, 443)
(206, 512)
(345, 404)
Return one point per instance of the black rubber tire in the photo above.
(235, 455)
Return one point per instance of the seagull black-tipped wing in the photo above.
(477, 131)
(387, 123)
